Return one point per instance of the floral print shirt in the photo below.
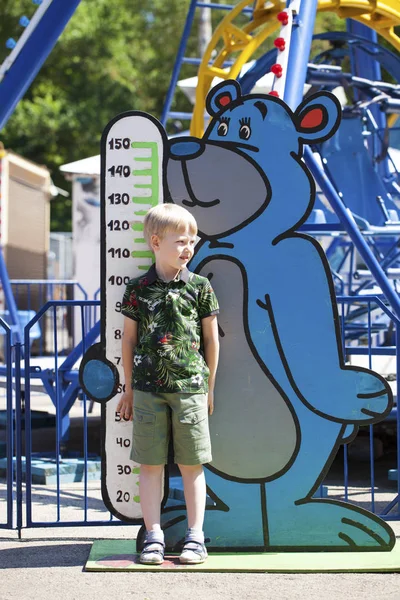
(169, 354)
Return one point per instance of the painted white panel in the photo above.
(133, 184)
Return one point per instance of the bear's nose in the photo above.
(186, 149)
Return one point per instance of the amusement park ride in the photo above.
(356, 214)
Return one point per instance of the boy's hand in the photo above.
(210, 403)
(125, 406)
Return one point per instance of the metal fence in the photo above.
(30, 295)
(377, 330)
(7, 442)
(49, 426)
(50, 473)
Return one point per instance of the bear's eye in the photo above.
(223, 128)
(244, 132)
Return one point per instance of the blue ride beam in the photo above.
(363, 64)
(299, 52)
(350, 226)
(33, 54)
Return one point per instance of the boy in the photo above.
(170, 322)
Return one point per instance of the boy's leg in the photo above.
(150, 449)
(151, 433)
(194, 486)
(192, 449)
(150, 486)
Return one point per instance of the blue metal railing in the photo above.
(96, 309)
(31, 294)
(46, 289)
(6, 518)
(65, 378)
(393, 507)
(18, 436)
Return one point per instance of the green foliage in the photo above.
(113, 56)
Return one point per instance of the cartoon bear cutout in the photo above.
(284, 399)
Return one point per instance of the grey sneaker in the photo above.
(152, 553)
(193, 553)
(153, 548)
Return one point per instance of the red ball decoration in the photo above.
(280, 43)
(283, 17)
(274, 93)
(277, 70)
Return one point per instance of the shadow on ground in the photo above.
(53, 555)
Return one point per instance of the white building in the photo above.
(85, 176)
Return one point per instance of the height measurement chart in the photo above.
(132, 183)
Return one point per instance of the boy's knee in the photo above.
(190, 468)
(151, 469)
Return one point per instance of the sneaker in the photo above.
(193, 553)
(152, 553)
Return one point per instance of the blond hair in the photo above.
(167, 218)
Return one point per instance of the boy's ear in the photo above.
(220, 96)
(318, 117)
(154, 241)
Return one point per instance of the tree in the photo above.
(112, 57)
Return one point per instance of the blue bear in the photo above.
(285, 400)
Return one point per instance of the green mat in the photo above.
(120, 555)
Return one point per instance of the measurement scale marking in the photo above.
(152, 172)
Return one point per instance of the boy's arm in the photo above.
(129, 343)
(209, 327)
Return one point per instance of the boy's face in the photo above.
(174, 249)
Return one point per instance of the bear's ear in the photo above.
(222, 95)
(318, 117)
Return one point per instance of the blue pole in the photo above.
(350, 226)
(58, 410)
(18, 436)
(28, 428)
(32, 56)
(299, 52)
(10, 426)
(85, 426)
(9, 297)
(178, 61)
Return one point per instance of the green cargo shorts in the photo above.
(153, 416)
